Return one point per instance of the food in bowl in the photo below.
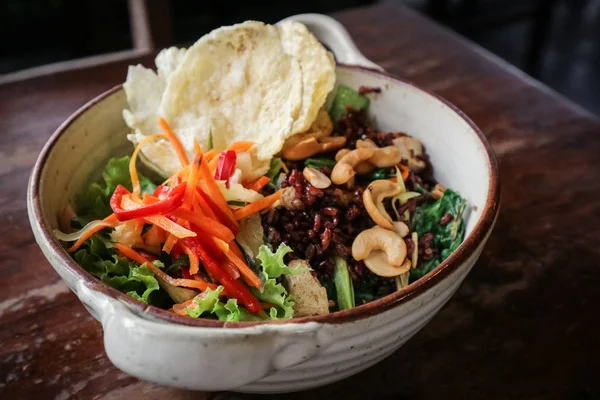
(261, 199)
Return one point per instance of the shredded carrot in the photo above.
(169, 243)
(258, 184)
(89, 233)
(194, 262)
(404, 171)
(249, 276)
(149, 199)
(394, 179)
(214, 191)
(206, 224)
(210, 154)
(135, 181)
(161, 221)
(257, 206)
(130, 253)
(174, 141)
(234, 247)
(240, 147)
(205, 208)
(192, 182)
(170, 226)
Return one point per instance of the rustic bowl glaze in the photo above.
(280, 356)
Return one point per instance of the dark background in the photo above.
(556, 41)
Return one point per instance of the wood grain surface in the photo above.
(523, 324)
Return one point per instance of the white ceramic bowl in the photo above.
(159, 346)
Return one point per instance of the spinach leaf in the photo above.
(446, 238)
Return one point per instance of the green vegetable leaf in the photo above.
(343, 284)
(446, 238)
(346, 97)
(127, 276)
(319, 163)
(379, 173)
(273, 172)
(204, 302)
(231, 311)
(272, 263)
(277, 295)
(94, 203)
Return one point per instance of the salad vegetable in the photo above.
(341, 215)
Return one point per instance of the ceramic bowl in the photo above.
(269, 357)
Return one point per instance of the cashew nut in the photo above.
(373, 201)
(383, 157)
(316, 178)
(377, 238)
(344, 168)
(303, 149)
(332, 143)
(400, 228)
(363, 167)
(410, 148)
(378, 264)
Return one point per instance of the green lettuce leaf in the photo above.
(276, 294)
(94, 203)
(126, 276)
(204, 303)
(272, 263)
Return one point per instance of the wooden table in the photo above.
(523, 325)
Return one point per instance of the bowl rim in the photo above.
(458, 257)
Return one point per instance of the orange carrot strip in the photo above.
(240, 147)
(170, 226)
(205, 208)
(210, 226)
(395, 180)
(169, 243)
(131, 253)
(210, 154)
(174, 141)
(259, 184)
(192, 182)
(194, 262)
(257, 206)
(149, 199)
(234, 247)
(89, 233)
(135, 181)
(161, 221)
(214, 191)
(404, 171)
(249, 276)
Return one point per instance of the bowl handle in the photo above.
(197, 357)
(334, 36)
